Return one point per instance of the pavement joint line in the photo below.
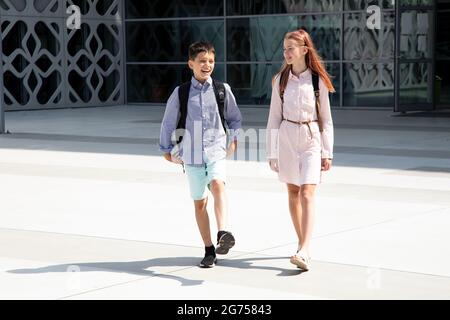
(352, 265)
(105, 287)
(136, 280)
(98, 237)
(431, 211)
(173, 173)
(240, 255)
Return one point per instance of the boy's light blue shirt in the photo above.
(205, 139)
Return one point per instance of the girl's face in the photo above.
(293, 51)
(202, 65)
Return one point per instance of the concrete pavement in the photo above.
(90, 210)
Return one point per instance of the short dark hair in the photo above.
(200, 46)
(304, 29)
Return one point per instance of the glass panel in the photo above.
(333, 70)
(47, 39)
(155, 83)
(364, 4)
(170, 40)
(415, 37)
(443, 31)
(442, 83)
(415, 86)
(14, 38)
(369, 84)
(360, 42)
(252, 83)
(82, 4)
(14, 82)
(416, 2)
(109, 40)
(105, 5)
(443, 4)
(261, 39)
(248, 7)
(49, 86)
(173, 8)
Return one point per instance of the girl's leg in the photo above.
(295, 208)
(307, 203)
(201, 215)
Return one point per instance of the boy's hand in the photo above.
(326, 164)
(232, 148)
(273, 163)
(169, 158)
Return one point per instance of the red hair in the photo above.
(312, 59)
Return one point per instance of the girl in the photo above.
(300, 133)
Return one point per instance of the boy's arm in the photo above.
(233, 115)
(169, 124)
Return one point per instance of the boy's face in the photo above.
(202, 66)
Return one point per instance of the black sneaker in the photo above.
(208, 261)
(225, 243)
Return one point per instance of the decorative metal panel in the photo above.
(48, 65)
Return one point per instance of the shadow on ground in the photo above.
(141, 268)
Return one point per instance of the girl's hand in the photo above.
(273, 163)
(326, 164)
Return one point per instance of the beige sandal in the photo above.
(301, 260)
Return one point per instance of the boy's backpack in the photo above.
(315, 81)
(183, 97)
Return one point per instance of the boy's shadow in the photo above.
(141, 267)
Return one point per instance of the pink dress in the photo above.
(299, 148)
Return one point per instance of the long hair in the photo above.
(312, 59)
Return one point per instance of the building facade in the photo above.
(47, 64)
(381, 53)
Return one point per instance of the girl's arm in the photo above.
(274, 121)
(327, 122)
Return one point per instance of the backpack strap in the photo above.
(183, 97)
(315, 81)
(219, 91)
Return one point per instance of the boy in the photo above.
(201, 109)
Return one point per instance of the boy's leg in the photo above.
(217, 188)
(197, 185)
(217, 174)
(201, 215)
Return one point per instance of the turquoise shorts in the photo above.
(200, 177)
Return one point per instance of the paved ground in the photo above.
(89, 210)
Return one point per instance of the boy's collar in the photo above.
(197, 83)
